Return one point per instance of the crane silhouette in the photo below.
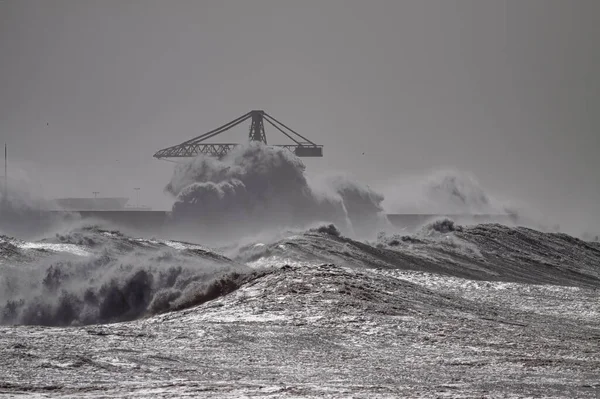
(302, 146)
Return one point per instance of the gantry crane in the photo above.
(303, 147)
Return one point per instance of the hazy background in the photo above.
(507, 90)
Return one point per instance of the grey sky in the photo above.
(507, 90)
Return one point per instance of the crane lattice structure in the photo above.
(302, 146)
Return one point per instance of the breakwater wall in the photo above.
(157, 221)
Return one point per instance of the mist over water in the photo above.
(258, 190)
(25, 214)
(444, 191)
(456, 194)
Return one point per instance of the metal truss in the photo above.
(196, 146)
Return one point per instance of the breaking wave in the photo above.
(94, 276)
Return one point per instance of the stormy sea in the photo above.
(266, 283)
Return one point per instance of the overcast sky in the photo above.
(507, 90)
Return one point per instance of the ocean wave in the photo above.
(490, 252)
(90, 275)
(110, 278)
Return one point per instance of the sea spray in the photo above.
(256, 187)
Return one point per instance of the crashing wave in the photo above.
(256, 186)
(120, 279)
